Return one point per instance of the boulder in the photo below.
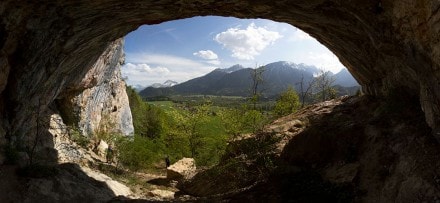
(182, 169)
(116, 187)
(102, 148)
(73, 183)
(161, 194)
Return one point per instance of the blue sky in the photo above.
(184, 49)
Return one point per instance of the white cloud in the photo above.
(206, 54)
(146, 69)
(327, 61)
(138, 73)
(300, 35)
(159, 59)
(247, 43)
(214, 62)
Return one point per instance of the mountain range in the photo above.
(237, 80)
(168, 83)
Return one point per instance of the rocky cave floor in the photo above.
(352, 149)
(94, 181)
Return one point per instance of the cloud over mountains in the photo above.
(247, 43)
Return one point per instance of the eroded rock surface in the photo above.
(64, 183)
(97, 105)
(102, 104)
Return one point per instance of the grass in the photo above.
(164, 105)
(220, 101)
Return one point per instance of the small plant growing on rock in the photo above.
(76, 136)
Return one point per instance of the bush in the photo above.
(254, 121)
(287, 103)
(148, 120)
(76, 136)
(139, 152)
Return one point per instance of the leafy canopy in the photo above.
(287, 103)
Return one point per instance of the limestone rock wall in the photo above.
(103, 104)
(98, 102)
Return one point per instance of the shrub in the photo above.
(287, 103)
(138, 153)
(76, 136)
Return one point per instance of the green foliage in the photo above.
(220, 101)
(187, 124)
(76, 136)
(323, 84)
(189, 129)
(246, 161)
(186, 130)
(257, 81)
(200, 130)
(148, 120)
(254, 121)
(237, 121)
(233, 121)
(138, 152)
(332, 93)
(287, 103)
(214, 142)
(258, 149)
(102, 133)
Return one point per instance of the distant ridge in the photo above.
(236, 80)
(168, 83)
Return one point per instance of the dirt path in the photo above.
(153, 186)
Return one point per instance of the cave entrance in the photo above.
(190, 73)
(47, 52)
(373, 49)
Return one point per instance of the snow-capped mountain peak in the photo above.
(168, 83)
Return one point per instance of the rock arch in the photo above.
(47, 48)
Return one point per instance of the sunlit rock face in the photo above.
(103, 103)
(46, 48)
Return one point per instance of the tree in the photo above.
(254, 118)
(189, 122)
(257, 81)
(305, 89)
(323, 85)
(232, 120)
(287, 103)
(148, 120)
